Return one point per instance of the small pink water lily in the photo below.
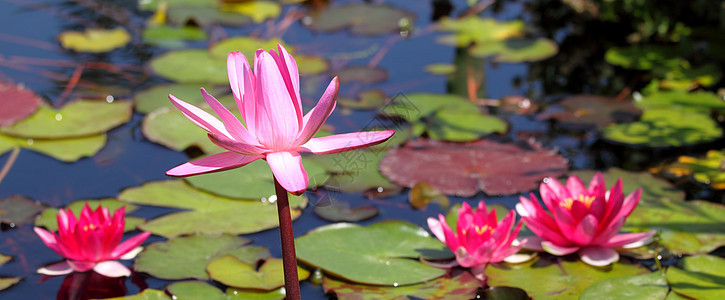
(582, 220)
(276, 130)
(92, 241)
(480, 239)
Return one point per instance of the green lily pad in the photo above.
(76, 119)
(692, 227)
(19, 210)
(157, 96)
(233, 272)
(49, 220)
(341, 212)
(205, 213)
(646, 286)
(188, 256)
(701, 277)
(94, 40)
(362, 74)
(154, 4)
(169, 127)
(665, 128)
(172, 37)
(653, 189)
(702, 102)
(516, 50)
(360, 18)
(257, 10)
(253, 181)
(556, 278)
(309, 65)
(67, 149)
(6, 282)
(647, 57)
(687, 78)
(247, 45)
(384, 253)
(707, 170)
(205, 16)
(463, 286)
(474, 29)
(440, 69)
(371, 99)
(202, 290)
(190, 66)
(147, 294)
(17, 103)
(355, 171)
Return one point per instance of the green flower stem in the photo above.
(289, 258)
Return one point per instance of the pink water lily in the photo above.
(583, 220)
(479, 239)
(274, 127)
(92, 241)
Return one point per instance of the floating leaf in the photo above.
(557, 279)
(202, 290)
(708, 170)
(94, 40)
(67, 150)
(172, 37)
(309, 65)
(701, 277)
(645, 286)
(384, 253)
(257, 10)
(362, 74)
(585, 112)
(646, 57)
(356, 171)
(247, 45)
(188, 256)
(49, 220)
(206, 16)
(16, 103)
(18, 210)
(75, 119)
(702, 102)
(169, 127)
(9, 281)
(516, 50)
(440, 69)
(341, 212)
(474, 29)
(693, 227)
(371, 99)
(157, 96)
(653, 189)
(189, 66)
(463, 169)
(463, 286)
(233, 272)
(665, 128)
(360, 18)
(154, 4)
(422, 193)
(253, 181)
(147, 294)
(205, 213)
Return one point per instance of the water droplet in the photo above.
(380, 189)
(387, 263)
(235, 292)
(395, 284)
(30, 142)
(174, 297)
(273, 199)
(546, 180)
(109, 98)
(58, 117)
(307, 20)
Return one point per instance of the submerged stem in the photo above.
(289, 258)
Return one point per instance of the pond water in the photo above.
(514, 67)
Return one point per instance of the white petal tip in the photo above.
(56, 269)
(132, 254)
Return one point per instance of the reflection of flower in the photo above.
(583, 220)
(91, 285)
(92, 241)
(270, 105)
(480, 238)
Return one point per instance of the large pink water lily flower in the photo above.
(479, 239)
(270, 104)
(583, 220)
(92, 241)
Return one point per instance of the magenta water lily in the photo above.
(582, 220)
(92, 241)
(274, 127)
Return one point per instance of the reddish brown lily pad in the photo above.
(18, 210)
(463, 168)
(362, 74)
(341, 212)
(16, 103)
(584, 112)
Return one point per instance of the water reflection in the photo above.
(91, 285)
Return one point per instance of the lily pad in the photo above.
(647, 57)
(257, 10)
(354, 171)
(94, 40)
(440, 69)
(702, 102)
(556, 278)
(384, 253)
(585, 112)
(154, 4)
(172, 37)
(341, 212)
(371, 99)
(422, 194)
(463, 169)
(205, 16)
(147, 294)
(654, 189)
(67, 149)
(188, 256)
(362, 74)
(692, 227)
(236, 273)
(205, 213)
(646, 286)
(516, 50)
(49, 220)
(707, 170)
(253, 181)
(190, 66)
(16, 103)
(169, 127)
(157, 96)
(6, 282)
(19, 210)
(474, 29)
(75, 119)
(360, 18)
(701, 277)
(202, 290)
(463, 286)
(247, 45)
(309, 65)
(665, 128)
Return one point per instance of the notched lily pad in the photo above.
(665, 128)
(94, 40)
(203, 290)
(49, 220)
(157, 96)
(147, 294)
(341, 212)
(585, 112)
(700, 277)
(362, 74)
(463, 169)
(169, 127)
(66, 149)
(708, 170)
(463, 286)
(16, 103)
(233, 272)
(190, 66)
(360, 18)
(18, 210)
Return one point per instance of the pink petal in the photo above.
(630, 240)
(598, 256)
(287, 169)
(464, 259)
(80, 266)
(564, 220)
(345, 142)
(629, 204)
(314, 119)
(548, 196)
(559, 189)
(112, 268)
(597, 185)
(585, 231)
(532, 243)
(277, 103)
(614, 203)
(451, 240)
(212, 163)
(607, 232)
(544, 232)
(242, 81)
(231, 123)
(56, 269)
(234, 145)
(66, 220)
(200, 117)
(518, 258)
(575, 186)
(129, 244)
(557, 250)
(291, 76)
(49, 239)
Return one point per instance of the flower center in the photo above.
(90, 227)
(586, 199)
(481, 230)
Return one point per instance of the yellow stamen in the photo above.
(587, 200)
